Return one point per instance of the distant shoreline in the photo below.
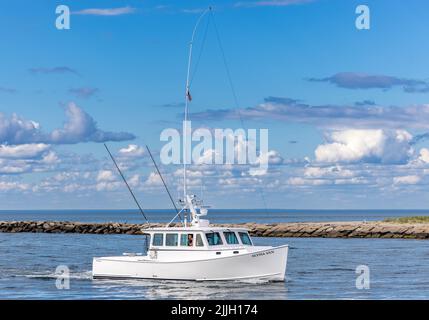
(349, 229)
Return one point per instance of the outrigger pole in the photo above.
(126, 183)
(165, 185)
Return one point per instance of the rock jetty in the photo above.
(353, 229)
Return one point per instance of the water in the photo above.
(317, 268)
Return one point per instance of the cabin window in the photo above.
(171, 239)
(158, 240)
(199, 241)
(213, 238)
(230, 237)
(187, 239)
(245, 239)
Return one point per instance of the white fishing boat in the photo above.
(194, 250)
(197, 252)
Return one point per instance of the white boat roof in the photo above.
(194, 228)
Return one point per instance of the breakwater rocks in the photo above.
(353, 229)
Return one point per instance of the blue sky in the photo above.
(346, 109)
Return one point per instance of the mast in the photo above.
(187, 100)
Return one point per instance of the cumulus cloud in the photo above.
(26, 158)
(354, 80)
(315, 176)
(132, 150)
(370, 145)
(14, 167)
(424, 155)
(331, 171)
(153, 180)
(79, 127)
(23, 150)
(50, 158)
(106, 175)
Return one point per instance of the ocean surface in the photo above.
(317, 268)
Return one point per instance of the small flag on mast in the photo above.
(188, 94)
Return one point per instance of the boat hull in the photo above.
(269, 264)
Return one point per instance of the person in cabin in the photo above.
(190, 240)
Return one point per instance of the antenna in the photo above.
(126, 183)
(188, 98)
(165, 185)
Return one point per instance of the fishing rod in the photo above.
(126, 183)
(165, 185)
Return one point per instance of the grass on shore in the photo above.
(414, 219)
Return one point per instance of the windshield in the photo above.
(213, 238)
(230, 237)
(245, 239)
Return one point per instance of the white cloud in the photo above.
(153, 180)
(366, 145)
(190, 172)
(23, 150)
(132, 150)
(79, 127)
(107, 186)
(14, 167)
(354, 180)
(106, 176)
(334, 171)
(264, 160)
(207, 157)
(106, 11)
(50, 158)
(16, 130)
(411, 179)
(298, 181)
(424, 155)
(8, 186)
(134, 181)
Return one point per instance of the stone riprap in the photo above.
(352, 229)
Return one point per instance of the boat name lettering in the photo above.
(262, 253)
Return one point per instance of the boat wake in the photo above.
(253, 281)
(84, 275)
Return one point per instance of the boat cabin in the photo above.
(198, 239)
